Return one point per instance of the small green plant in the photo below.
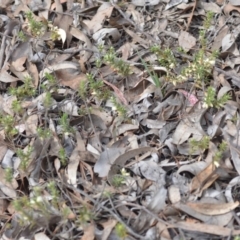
(9, 174)
(121, 109)
(54, 192)
(166, 57)
(121, 230)
(84, 215)
(22, 36)
(8, 123)
(153, 74)
(25, 157)
(50, 83)
(210, 99)
(64, 124)
(48, 100)
(201, 145)
(97, 88)
(43, 133)
(36, 28)
(121, 67)
(25, 90)
(223, 146)
(82, 90)
(16, 107)
(62, 156)
(118, 180)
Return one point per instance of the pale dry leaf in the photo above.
(73, 82)
(212, 208)
(123, 128)
(63, 65)
(173, 3)
(89, 232)
(6, 77)
(228, 193)
(41, 236)
(106, 159)
(85, 55)
(188, 126)
(234, 2)
(72, 167)
(186, 40)
(18, 64)
(120, 161)
(69, 107)
(150, 170)
(204, 179)
(228, 8)
(100, 35)
(174, 194)
(141, 3)
(33, 72)
(108, 227)
(96, 23)
(233, 142)
(208, 228)
(31, 124)
(210, 6)
(218, 220)
(136, 38)
(227, 42)
(217, 43)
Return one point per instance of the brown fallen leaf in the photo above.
(74, 82)
(89, 232)
(229, 8)
(212, 208)
(207, 228)
(204, 179)
(186, 40)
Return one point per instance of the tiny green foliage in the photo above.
(202, 145)
(54, 192)
(22, 36)
(121, 230)
(64, 123)
(24, 91)
(153, 75)
(223, 146)
(36, 28)
(84, 215)
(8, 123)
(43, 133)
(16, 107)
(48, 100)
(118, 180)
(97, 88)
(82, 90)
(121, 109)
(9, 174)
(25, 157)
(51, 82)
(165, 57)
(208, 20)
(211, 101)
(62, 156)
(120, 66)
